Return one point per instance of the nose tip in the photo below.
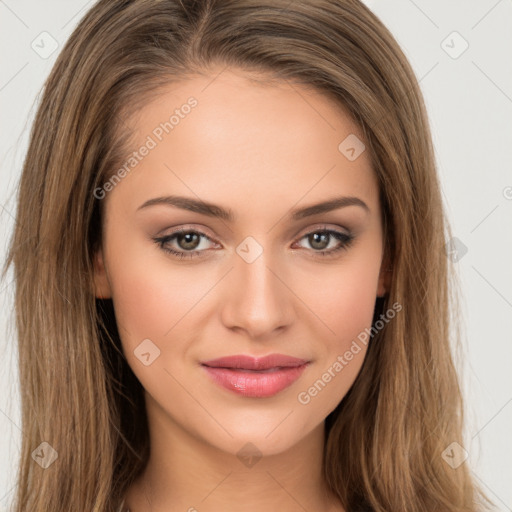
(257, 300)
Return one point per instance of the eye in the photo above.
(187, 240)
(321, 239)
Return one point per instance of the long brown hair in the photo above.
(385, 440)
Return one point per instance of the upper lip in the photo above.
(244, 362)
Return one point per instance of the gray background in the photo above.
(469, 99)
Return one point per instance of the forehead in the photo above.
(226, 136)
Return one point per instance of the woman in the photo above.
(232, 289)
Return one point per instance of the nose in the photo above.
(258, 299)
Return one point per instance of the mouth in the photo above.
(255, 377)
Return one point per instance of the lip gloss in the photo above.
(255, 383)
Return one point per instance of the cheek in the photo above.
(150, 294)
(353, 302)
(342, 298)
(151, 299)
(345, 306)
(156, 302)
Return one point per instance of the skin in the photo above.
(260, 150)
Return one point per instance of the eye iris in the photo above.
(189, 239)
(322, 238)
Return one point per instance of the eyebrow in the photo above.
(216, 211)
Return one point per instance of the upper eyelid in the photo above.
(324, 227)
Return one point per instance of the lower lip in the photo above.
(255, 384)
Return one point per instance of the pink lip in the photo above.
(255, 377)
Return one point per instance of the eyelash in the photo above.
(345, 239)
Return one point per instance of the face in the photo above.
(269, 276)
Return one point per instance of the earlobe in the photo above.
(101, 283)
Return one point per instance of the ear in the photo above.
(386, 272)
(101, 282)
